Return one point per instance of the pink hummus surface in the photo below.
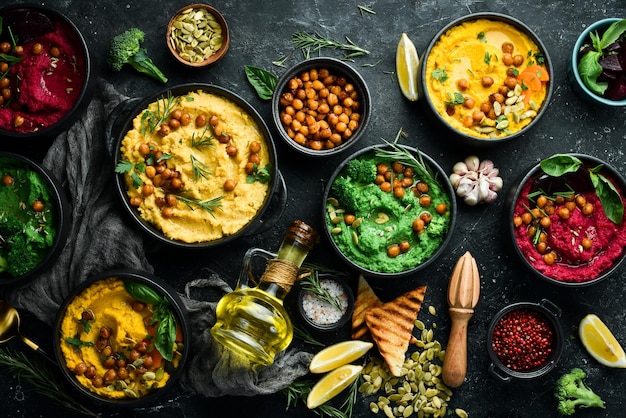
(575, 264)
(48, 86)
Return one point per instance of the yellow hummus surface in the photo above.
(237, 207)
(112, 307)
(461, 52)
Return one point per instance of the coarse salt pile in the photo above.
(322, 312)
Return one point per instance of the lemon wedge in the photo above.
(407, 62)
(338, 354)
(332, 384)
(600, 342)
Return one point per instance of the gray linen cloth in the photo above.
(99, 241)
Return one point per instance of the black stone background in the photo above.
(261, 33)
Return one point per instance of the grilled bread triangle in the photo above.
(365, 300)
(391, 326)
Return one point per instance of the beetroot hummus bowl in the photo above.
(44, 73)
(566, 219)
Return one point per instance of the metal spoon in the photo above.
(10, 327)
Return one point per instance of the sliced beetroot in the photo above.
(616, 89)
(611, 62)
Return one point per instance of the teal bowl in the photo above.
(575, 81)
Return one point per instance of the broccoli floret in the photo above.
(10, 225)
(345, 191)
(21, 257)
(125, 48)
(572, 392)
(361, 170)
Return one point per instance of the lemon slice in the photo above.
(407, 62)
(600, 342)
(332, 384)
(338, 354)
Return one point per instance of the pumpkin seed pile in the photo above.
(419, 391)
(514, 105)
(196, 35)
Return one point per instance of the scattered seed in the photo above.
(432, 310)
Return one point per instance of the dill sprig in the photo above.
(199, 168)
(315, 41)
(311, 283)
(398, 153)
(208, 205)
(41, 378)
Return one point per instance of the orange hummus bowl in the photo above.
(46, 81)
(565, 220)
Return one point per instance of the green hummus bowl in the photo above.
(389, 211)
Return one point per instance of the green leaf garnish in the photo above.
(263, 81)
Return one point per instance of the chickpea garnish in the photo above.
(38, 206)
(7, 180)
(393, 251)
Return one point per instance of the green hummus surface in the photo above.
(385, 220)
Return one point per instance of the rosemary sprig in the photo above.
(151, 120)
(306, 336)
(299, 390)
(311, 283)
(41, 378)
(315, 41)
(199, 168)
(397, 153)
(365, 9)
(208, 205)
(203, 140)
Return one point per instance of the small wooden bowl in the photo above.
(177, 50)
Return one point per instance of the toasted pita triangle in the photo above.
(391, 326)
(365, 300)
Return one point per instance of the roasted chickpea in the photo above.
(7, 180)
(587, 209)
(462, 84)
(108, 363)
(148, 362)
(418, 225)
(549, 258)
(545, 221)
(349, 218)
(200, 121)
(90, 373)
(4, 82)
(18, 50)
(122, 373)
(4, 67)
(441, 208)
(80, 369)
(171, 200)
(564, 213)
(580, 200)
(425, 201)
(55, 52)
(18, 121)
(518, 60)
(393, 251)
(231, 150)
(167, 212)
(174, 123)
(136, 201)
(541, 247)
(38, 206)
(398, 192)
(138, 306)
(105, 332)
(507, 47)
(110, 375)
(586, 243)
(147, 189)
(487, 81)
(5, 47)
(507, 58)
(185, 119)
(510, 82)
(404, 246)
(164, 129)
(385, 187)
(229, 185)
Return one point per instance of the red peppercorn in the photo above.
(523, 340)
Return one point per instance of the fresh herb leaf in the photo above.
(151, 120)
(609, 196)
(315, 41)
(262, 175)
(208, 205)
(76, 342)
(203, 141)
(142, 292)
(440, 74)
(455, 100)
(165, 336)
(365, 9)
(487, 58)
(263, 81)
(613, 33)
(311, 283)
(126, 167)
(560, 164)
(199, 168)
(481, 36)
(398, 153)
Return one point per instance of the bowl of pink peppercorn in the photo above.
(525, 340)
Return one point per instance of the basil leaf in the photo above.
(560, 164)
(589, 69)
(263, 81)
(613, 33)
(165, 334)
(142, 293)
(609, 197)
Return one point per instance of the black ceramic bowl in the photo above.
(121, 122)
(535, 321)
(37, 115)
(56, 209)
(583, 246)
(439, 75)
(316, 312)
(312, 141)
(102, 302)
(377, 232)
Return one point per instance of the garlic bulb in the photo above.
(476, 181)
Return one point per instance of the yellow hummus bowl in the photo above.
(122, 338)
(195, 166)
(486, 78)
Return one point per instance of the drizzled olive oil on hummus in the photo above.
(221, 162)
(486, 78)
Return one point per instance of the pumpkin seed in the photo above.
(196, 35)
(357, 222)
(460, 413)
(336, 230)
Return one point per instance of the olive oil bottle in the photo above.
(252, 321)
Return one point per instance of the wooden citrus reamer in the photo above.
(463, 293)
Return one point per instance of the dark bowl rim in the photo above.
(276, 184)
(341, 67)
(509, 205)
(598, 24)
(163, 288)
(445, 185)
(62, 216)
(552, 313)
(219, 54)
(86, 92)
(513, 22)
(345, 318)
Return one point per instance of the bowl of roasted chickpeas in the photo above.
(321, 106)
(122, 337)
(45, 76)
(565, 220)
(485, 78)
